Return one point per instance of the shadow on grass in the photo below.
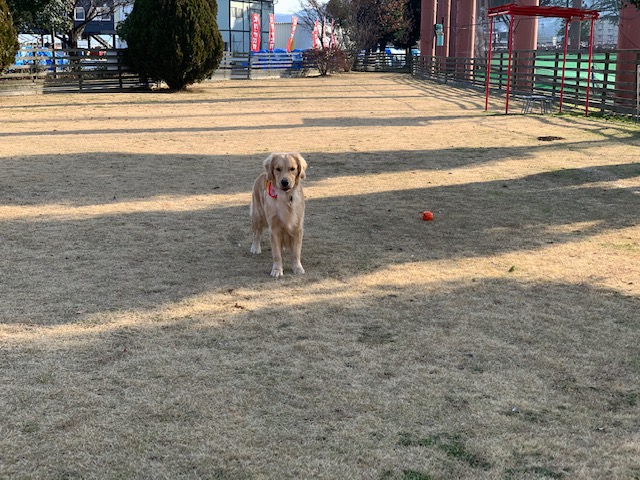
(469, 98)
(167, 351)
(104, 177)
(284, 385)
(58, 268)
(334, 122)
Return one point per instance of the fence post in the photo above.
(605, 81)
(34, 65)
(516, 72)
(556, 66)
(79, 68)
(119, 64)
(578, 75)
(53, 60)
(445, 68)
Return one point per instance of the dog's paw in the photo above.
(297, 269)
(255, 249)
(277, 272)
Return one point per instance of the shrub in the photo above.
(177, 41)
(327, 60)
(8, 38)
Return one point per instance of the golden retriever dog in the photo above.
(278, 203)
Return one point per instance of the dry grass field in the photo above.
(139, 338)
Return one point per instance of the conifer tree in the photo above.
(8, 38)
(177, 41)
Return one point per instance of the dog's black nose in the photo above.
(284, 182)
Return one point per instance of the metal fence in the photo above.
(382, 62)
(238, 66)
(538, 72)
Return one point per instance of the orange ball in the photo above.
(427, 215)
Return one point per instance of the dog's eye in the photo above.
(292, 169)
(278, 169)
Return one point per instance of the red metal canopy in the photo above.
(536, 11)
(569, 14)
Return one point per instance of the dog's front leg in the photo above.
(296, 252)
(276, 250)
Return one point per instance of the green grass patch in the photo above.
(451, 444)
(413, 475)
(535, 472)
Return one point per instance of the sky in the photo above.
(286, 6)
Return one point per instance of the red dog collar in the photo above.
(270, 190)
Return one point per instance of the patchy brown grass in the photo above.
(141, 339)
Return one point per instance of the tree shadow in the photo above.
(106, 177)
(62, 266)
(359, 374)
(463, 98)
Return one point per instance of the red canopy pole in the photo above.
(509, 64)
(564, 60)
(586, 106)
(488, 75)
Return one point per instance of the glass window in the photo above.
(78, 14)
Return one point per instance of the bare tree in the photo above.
(365, 21)
(363, 24)
(92, 10)
(313, 11)
(59, 16)
(331, 52)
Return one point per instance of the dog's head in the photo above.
(285, 170)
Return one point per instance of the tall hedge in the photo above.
(8, 38)
(177, 41)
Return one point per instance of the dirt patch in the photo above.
(141, 339)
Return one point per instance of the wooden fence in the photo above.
(539, 72)
(42, 70)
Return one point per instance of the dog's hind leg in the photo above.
(255, 246)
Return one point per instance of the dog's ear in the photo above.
(268, 167)
(302, 166)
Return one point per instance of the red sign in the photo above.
(316, 40)
(272, 32)
(325, 39)
(294, 23)
(255, 32)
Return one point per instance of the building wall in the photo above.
(605, 33)
(301, 39)
(102, 25)
(234, 22)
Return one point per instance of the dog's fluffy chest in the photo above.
(287, 210)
